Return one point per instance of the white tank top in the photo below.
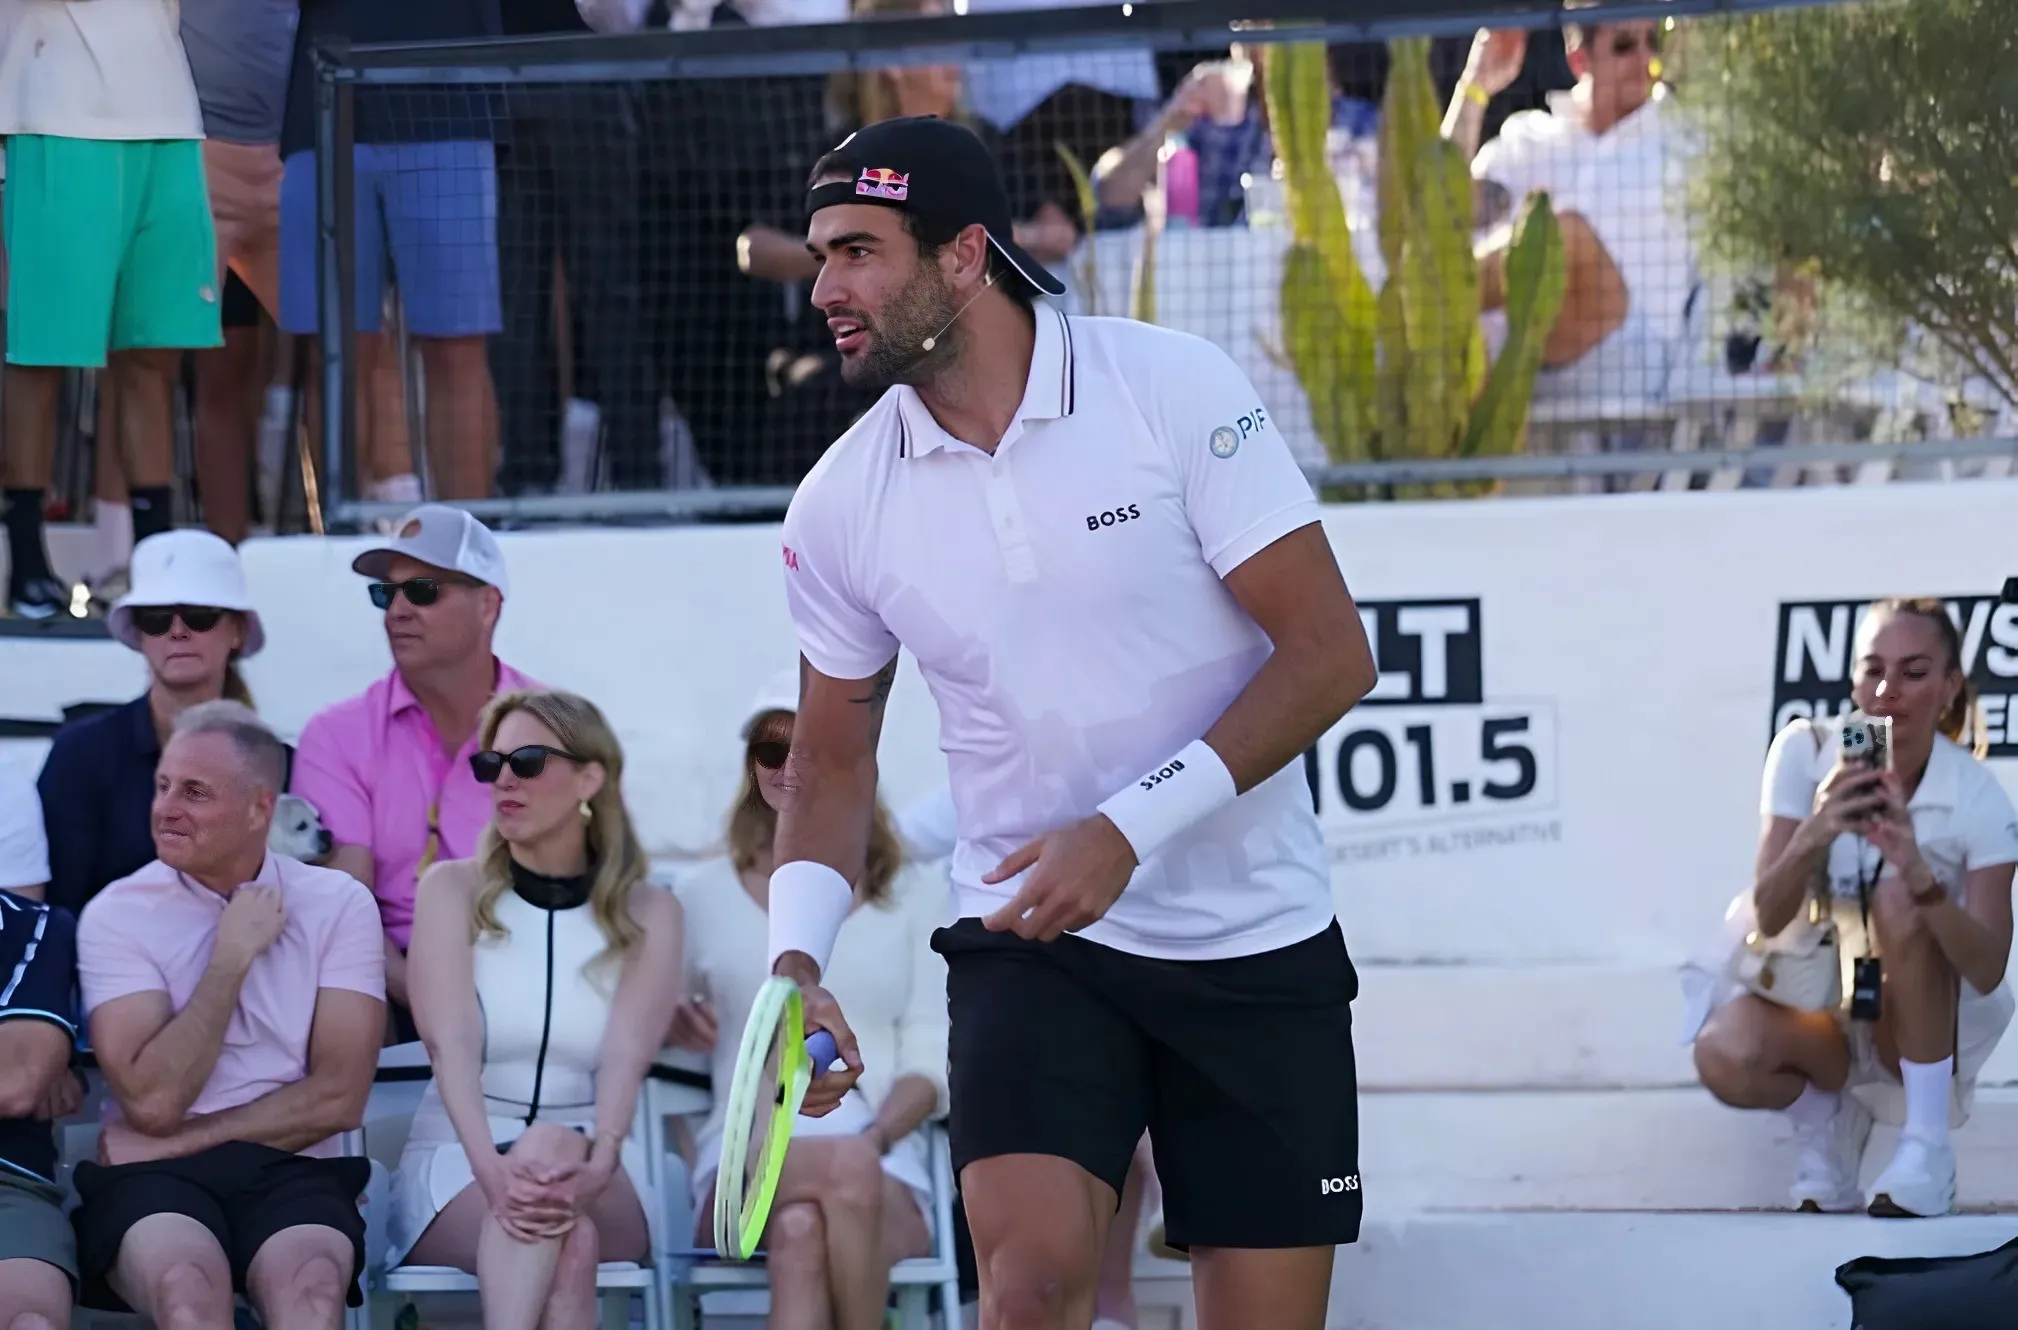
(545, 1009)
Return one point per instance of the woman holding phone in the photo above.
(1929, 841)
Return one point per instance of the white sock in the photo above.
(1928, 1088)
(1815, 1106)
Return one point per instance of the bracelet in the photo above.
(809, 903)
(1477, 96)
(1171, 799)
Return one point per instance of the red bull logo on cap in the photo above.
(880, 182)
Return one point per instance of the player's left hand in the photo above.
(1076, 874)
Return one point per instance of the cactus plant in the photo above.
(1402, 374)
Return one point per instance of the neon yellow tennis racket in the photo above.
(774, 1065)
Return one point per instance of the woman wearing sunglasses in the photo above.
(855, 1196)
(190, 617)
(542, 972)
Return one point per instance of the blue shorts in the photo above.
(426, 220)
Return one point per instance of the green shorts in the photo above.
(33, 1226)
(109, 247)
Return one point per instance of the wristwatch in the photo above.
(1929, 894)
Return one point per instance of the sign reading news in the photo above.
(1816, 663)
(1429, 762)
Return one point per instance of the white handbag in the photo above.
(1799, 967)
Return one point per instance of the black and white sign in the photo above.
(1814, 669)
(1426, 746)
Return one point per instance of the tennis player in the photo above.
(1112, 574)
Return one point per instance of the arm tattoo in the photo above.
(879, 688)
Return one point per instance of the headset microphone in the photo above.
(933, 340)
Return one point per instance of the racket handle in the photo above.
(823, 1050)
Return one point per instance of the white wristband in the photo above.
(809, 903)
(1176, 796)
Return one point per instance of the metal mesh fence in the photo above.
(1569, 250)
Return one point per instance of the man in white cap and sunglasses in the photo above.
(1113, 577)
(389, 769)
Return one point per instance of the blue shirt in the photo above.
(97, 788)
(38, 982)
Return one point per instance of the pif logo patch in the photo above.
(1225, 441)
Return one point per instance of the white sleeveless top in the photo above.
(546, 1008)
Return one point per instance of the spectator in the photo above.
(190, 617)
(24, 842)
(425, 190)
(236, 1000)
(389, 769)
(38, 952)
(569, 201)
(522, 1165)
(856, 1194)
(109, 230)
(1221, 114)
(1930, 842)
(1610, 155)
(239, 51)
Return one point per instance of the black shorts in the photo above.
(243, 1193)
(1241, 1070)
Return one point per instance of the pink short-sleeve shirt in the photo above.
(153, 932)
(374, 767)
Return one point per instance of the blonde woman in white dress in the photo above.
(855, 1196)
(541, 973)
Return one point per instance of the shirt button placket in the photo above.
(1005, 513)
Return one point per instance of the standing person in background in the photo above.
(426, 214)
(389, 769)
(569, 188)
(113, 259)
(239, 52)
(191, 618)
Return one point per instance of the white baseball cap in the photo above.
(779, 693)
(442, 537)
(188, 567)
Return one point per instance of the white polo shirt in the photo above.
(96, 69)
(1064, 603)
(1962, 817)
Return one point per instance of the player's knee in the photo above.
(797, 1234)
(551, 1143)
(316, 1287)
(31, 1321)
(855, 1173)
(1035, 1287)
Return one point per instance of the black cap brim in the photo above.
(1030, 270)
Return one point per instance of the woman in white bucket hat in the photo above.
(188, 613)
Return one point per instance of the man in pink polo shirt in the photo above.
(236, 1002)
(389, 769)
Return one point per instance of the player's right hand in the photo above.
(823, 1013)
(251, 921)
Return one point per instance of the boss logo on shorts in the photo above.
(1156, 778)
(1114, 517)
(1334, 1186)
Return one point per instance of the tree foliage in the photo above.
(1876, 144)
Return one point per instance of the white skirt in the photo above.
(434, 1169)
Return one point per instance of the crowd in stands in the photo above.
(613, 277)
(236, 985)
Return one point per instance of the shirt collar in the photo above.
(1562, 105)
(1048, 394)
(402, 699)
(267, 876)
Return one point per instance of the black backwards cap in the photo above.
(937, 171)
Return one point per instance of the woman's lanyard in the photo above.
(1864, 885)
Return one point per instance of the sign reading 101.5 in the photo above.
(1425, 744)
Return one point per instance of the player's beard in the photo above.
(919, 309)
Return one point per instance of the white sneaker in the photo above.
(1829, 1155)
(1919, 1183)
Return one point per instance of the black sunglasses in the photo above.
(1625, 43)
(526, 763)
(419, 590)
(769, 753)
(156, 620)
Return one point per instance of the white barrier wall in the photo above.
(1561, 763)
